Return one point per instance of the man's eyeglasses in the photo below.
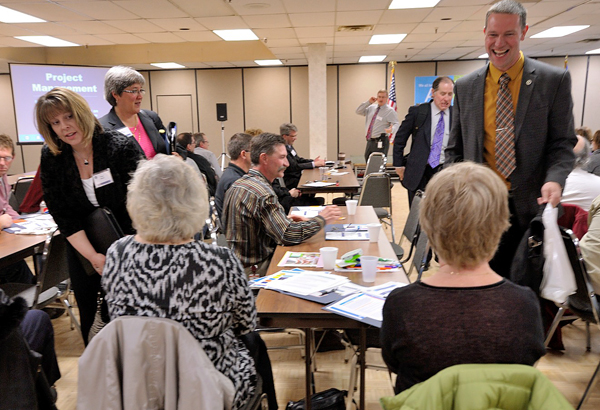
(140, 92)
(6, 159)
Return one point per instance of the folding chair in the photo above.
(377, 192)
(419, 260)
(20, 189)
(373, 361)
(375, 163)
(583, 303)
(411, 229)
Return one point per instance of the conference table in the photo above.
(14, 248)
(342, 184)
(283, 311)
(12, 179)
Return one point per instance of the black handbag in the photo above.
(330, 399)
(102, 229)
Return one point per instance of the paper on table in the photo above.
(307, 211)
(33, 224)
(337, 174)
(301, 259)
(308, 282)
(318, 184)
(359, 306)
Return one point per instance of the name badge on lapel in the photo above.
(294, 153)
(103, 178)
(125, 131)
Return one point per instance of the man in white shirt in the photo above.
(202, 149)
(380, 121)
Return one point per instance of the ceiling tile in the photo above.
(249, 7)
(454, 13)
(92, 27)
(394, 28)
(282, 33)
(287, 42)
(152, 9)
(432, 28)
(204, 8)
(134, 26)
(123, 38)
(404, 16)
(312, 6)
(198, 36)
(268, 21)
(314, 31)
(160, 37)
(223, 23)
(347, 18)
(312, 19)
(176, 24)
(48, 11)
(354, 5)
(100, 10)
(86, 40)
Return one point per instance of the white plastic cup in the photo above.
(329, 255)
(351, 205)
(373, 232)
(322, 171)
(369, 268)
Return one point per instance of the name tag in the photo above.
(379, 144)
(379, 118)
(103, 178)
(125, 131)
(293, 153)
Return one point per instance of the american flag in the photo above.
(392, 93)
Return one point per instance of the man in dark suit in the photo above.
(429, 124)
(292, 174)
(516, 115)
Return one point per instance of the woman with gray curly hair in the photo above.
(123, 89)
(163, 272)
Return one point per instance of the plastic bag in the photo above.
(559, 279)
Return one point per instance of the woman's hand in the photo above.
(97, 262)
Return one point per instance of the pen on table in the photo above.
(326, 292)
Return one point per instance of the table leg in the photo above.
(308, 366)
(362, 360)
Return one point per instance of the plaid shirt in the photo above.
(255, 222)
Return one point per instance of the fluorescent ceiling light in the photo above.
(236, 35)
(47, 41)
(167, 65)
(12, 16)
(268, 62)
(596, 51)
(412, 4)
(484, 55)
(371, 59)
(559, 31)
(387, 38)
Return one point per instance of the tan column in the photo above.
(317, 100)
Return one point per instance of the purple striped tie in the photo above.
(436, 145)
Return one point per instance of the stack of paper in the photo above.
(308, 282)
(33, 224)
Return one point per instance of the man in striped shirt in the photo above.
(254, 220)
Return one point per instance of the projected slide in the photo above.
(29, 82)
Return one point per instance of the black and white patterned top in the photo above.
(199, 285)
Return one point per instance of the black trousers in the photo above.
(509, 242)
(38, 331)
(427, 175)
(258, 350)
(372, 145)
(18, 272)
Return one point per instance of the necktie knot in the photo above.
(504, 80)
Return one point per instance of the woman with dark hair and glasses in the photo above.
(124, 90)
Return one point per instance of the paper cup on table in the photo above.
(328, 256)
(322, 171)
(373, 232)
(351, 205)
(369, 268)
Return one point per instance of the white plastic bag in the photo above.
(559, 280)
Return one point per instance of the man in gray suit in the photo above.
(515, 115)
(429, 124)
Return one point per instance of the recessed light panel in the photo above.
(268, 62)
(12, 16)
(413, 4)
(167, 65)
(236, 35)
(387, 38)
(371, 59)
(559, 31)
(47, 41)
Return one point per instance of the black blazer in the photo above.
(416, 161)
(292, 174)
(151, 122)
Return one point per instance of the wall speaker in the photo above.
(221, 112)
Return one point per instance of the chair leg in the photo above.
(590, 386)
(554, 325)
(588, 338)
(352, 382)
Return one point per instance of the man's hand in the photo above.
(295, 193)
(372, 100)
(331, 213)
(319, 162)
(551, 193)
(297, 218)
(400, 172)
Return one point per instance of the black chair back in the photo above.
(20, 190)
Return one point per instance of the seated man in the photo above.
(238, 148)
(186, 141)
(581, 186)
(292, 174)
(253, 219)
(18, 272)
(201, 144)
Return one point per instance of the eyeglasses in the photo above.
(140, 91)
(7, 159)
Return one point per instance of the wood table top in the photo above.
(343, 183)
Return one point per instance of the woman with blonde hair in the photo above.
(464, 312)
(163, 272)
(82, 168)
